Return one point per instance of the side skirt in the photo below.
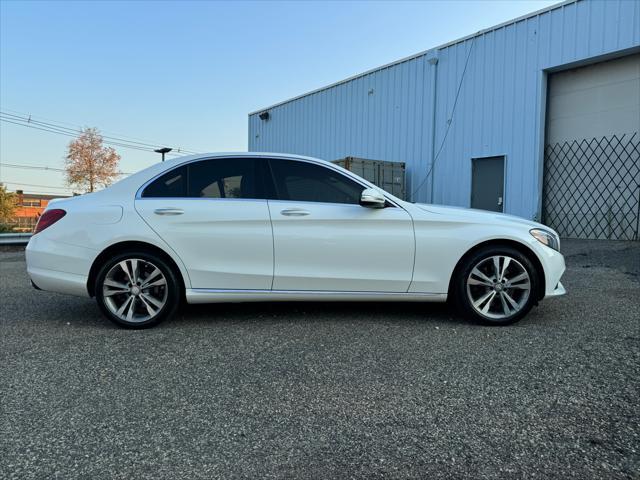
(203, 295)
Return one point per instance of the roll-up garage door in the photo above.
(592, 151)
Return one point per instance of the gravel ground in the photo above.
(326, 390)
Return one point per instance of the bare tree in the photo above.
(8, 204)
(89, 164)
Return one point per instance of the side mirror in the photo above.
(372, 198)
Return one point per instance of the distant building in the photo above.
(537, 117)
(30, 207)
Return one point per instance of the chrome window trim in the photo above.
(169, 199)
(308, 202)
(211, 199)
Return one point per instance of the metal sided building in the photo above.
(537, 117)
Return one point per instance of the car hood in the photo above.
(478, 216)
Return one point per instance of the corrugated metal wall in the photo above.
(387, 114)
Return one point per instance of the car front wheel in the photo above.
(137, 290)
(496, 286)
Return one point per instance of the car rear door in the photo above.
(213, 213)
(325, 241)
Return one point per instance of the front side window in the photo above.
(215, 178)
(308, 182)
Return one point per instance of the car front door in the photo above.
(325, 241)
(214, 214)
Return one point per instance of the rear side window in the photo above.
(225, 178)
(308, 182)
(215, 178)
(171, 184)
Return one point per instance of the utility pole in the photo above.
(163, 151)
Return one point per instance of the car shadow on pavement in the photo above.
(287, 312)
(83, 313)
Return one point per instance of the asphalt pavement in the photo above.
(326, 390)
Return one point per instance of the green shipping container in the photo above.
(387, 175)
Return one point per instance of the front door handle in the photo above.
(294, 212)
(168, 211)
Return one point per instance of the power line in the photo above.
(30, 122)
(58, 131)
(8, 111)
(30, 167)
(37, 167)
(69, 134)
(29, 119)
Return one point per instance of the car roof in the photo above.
(187, 158)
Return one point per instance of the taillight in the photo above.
(48, 218)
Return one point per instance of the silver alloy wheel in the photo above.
(498, 287)
(134, 290)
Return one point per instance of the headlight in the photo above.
(550, 239)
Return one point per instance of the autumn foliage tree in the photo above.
(89, 164)
(8, 204)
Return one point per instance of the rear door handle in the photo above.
(168, 211)
(294, 212)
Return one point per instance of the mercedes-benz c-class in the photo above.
(247, 227)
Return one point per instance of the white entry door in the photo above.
(325, 241)
(213, 214)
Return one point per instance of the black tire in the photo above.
(169, 292)
(463, 292)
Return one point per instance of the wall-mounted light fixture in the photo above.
(264, 115)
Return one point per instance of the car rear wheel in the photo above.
(496, 286)
(137, 290)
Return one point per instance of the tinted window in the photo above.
(171, 184)
(216, 178)
(307, 182)
(225, 178)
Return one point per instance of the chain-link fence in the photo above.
(592, 187)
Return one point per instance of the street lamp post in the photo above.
(163, 151)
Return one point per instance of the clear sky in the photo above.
(186, 74)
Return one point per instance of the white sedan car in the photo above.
(269, 227)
